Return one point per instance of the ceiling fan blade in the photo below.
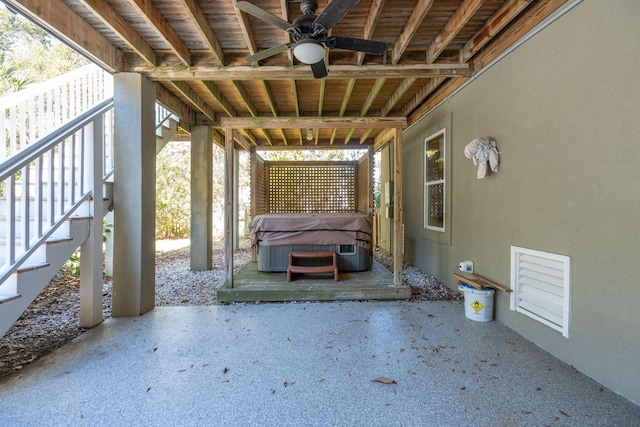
(259, 56)
(319, 69)
(262, 14)
(331, 14)
(361, 45)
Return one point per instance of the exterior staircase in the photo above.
(56, 181)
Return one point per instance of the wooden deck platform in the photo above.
(249, 284)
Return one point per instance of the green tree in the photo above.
(311, 155)
(173, 191)
(28, 54)
(12, 78)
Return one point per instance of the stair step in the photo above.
(4, 298)
(24, 268)
(53, 240)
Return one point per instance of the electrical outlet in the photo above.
(466, 266)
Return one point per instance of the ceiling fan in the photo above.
(310, 32)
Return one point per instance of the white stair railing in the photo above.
(163, 115)
(32, 113)
(54, 135)
(48, 181)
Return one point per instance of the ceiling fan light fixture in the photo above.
(309, 51)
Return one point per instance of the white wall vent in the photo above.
(540, 283)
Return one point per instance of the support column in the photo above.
(398, 235)
(201, 197)
(91, 250)
(108, 250)
(371, 206)
(236, 188)
(134, 195)
(229, 202)
(254, 186)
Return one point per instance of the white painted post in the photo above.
(397, 214)
(229, 201)
(134, 195)
(91, 250)
(201, 197)
(236, 186)
(108, 245)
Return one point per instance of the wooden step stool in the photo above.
(331, 268)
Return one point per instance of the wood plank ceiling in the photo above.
(195, 52)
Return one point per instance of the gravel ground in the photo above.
(424, 287)
(52, 319)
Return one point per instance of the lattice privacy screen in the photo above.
(311, 187)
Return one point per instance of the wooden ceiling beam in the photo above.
(404, 86)
(201, 24)
(243, 142)
(323, 84)
(267, 136)
(251, 137)
(109, 17)
(246, 99)
(421, 95)
(269, 95)
(347, 96)
(453, 26)
(222, 101)
(254, 139)
(194, 99)
(250, 41)
(245, 27)
(313, 122)
(365, 135)
(391, 102)
(218, 138)
(272, 107)
(409, 30)
(228, 108)
(383, 138)
(349, 135)
(345, 102)
(284, 137)
(373, 94)
(370, 24)
(154, 18)
(301, 72)
(284, 5)
(493, 26)
(296, 102)
(61, 21)
(167, 98)
(526, 22)
(219, 97)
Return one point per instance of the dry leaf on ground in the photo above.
(384, 380)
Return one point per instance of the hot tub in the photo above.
(346, 234)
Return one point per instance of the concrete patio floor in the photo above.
(307, 364)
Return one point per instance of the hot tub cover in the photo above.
(311, 229)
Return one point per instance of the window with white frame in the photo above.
(434, 181)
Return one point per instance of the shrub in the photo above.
(173, 191)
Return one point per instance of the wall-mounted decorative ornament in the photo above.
(485, 155)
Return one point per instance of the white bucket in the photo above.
(478, 303)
